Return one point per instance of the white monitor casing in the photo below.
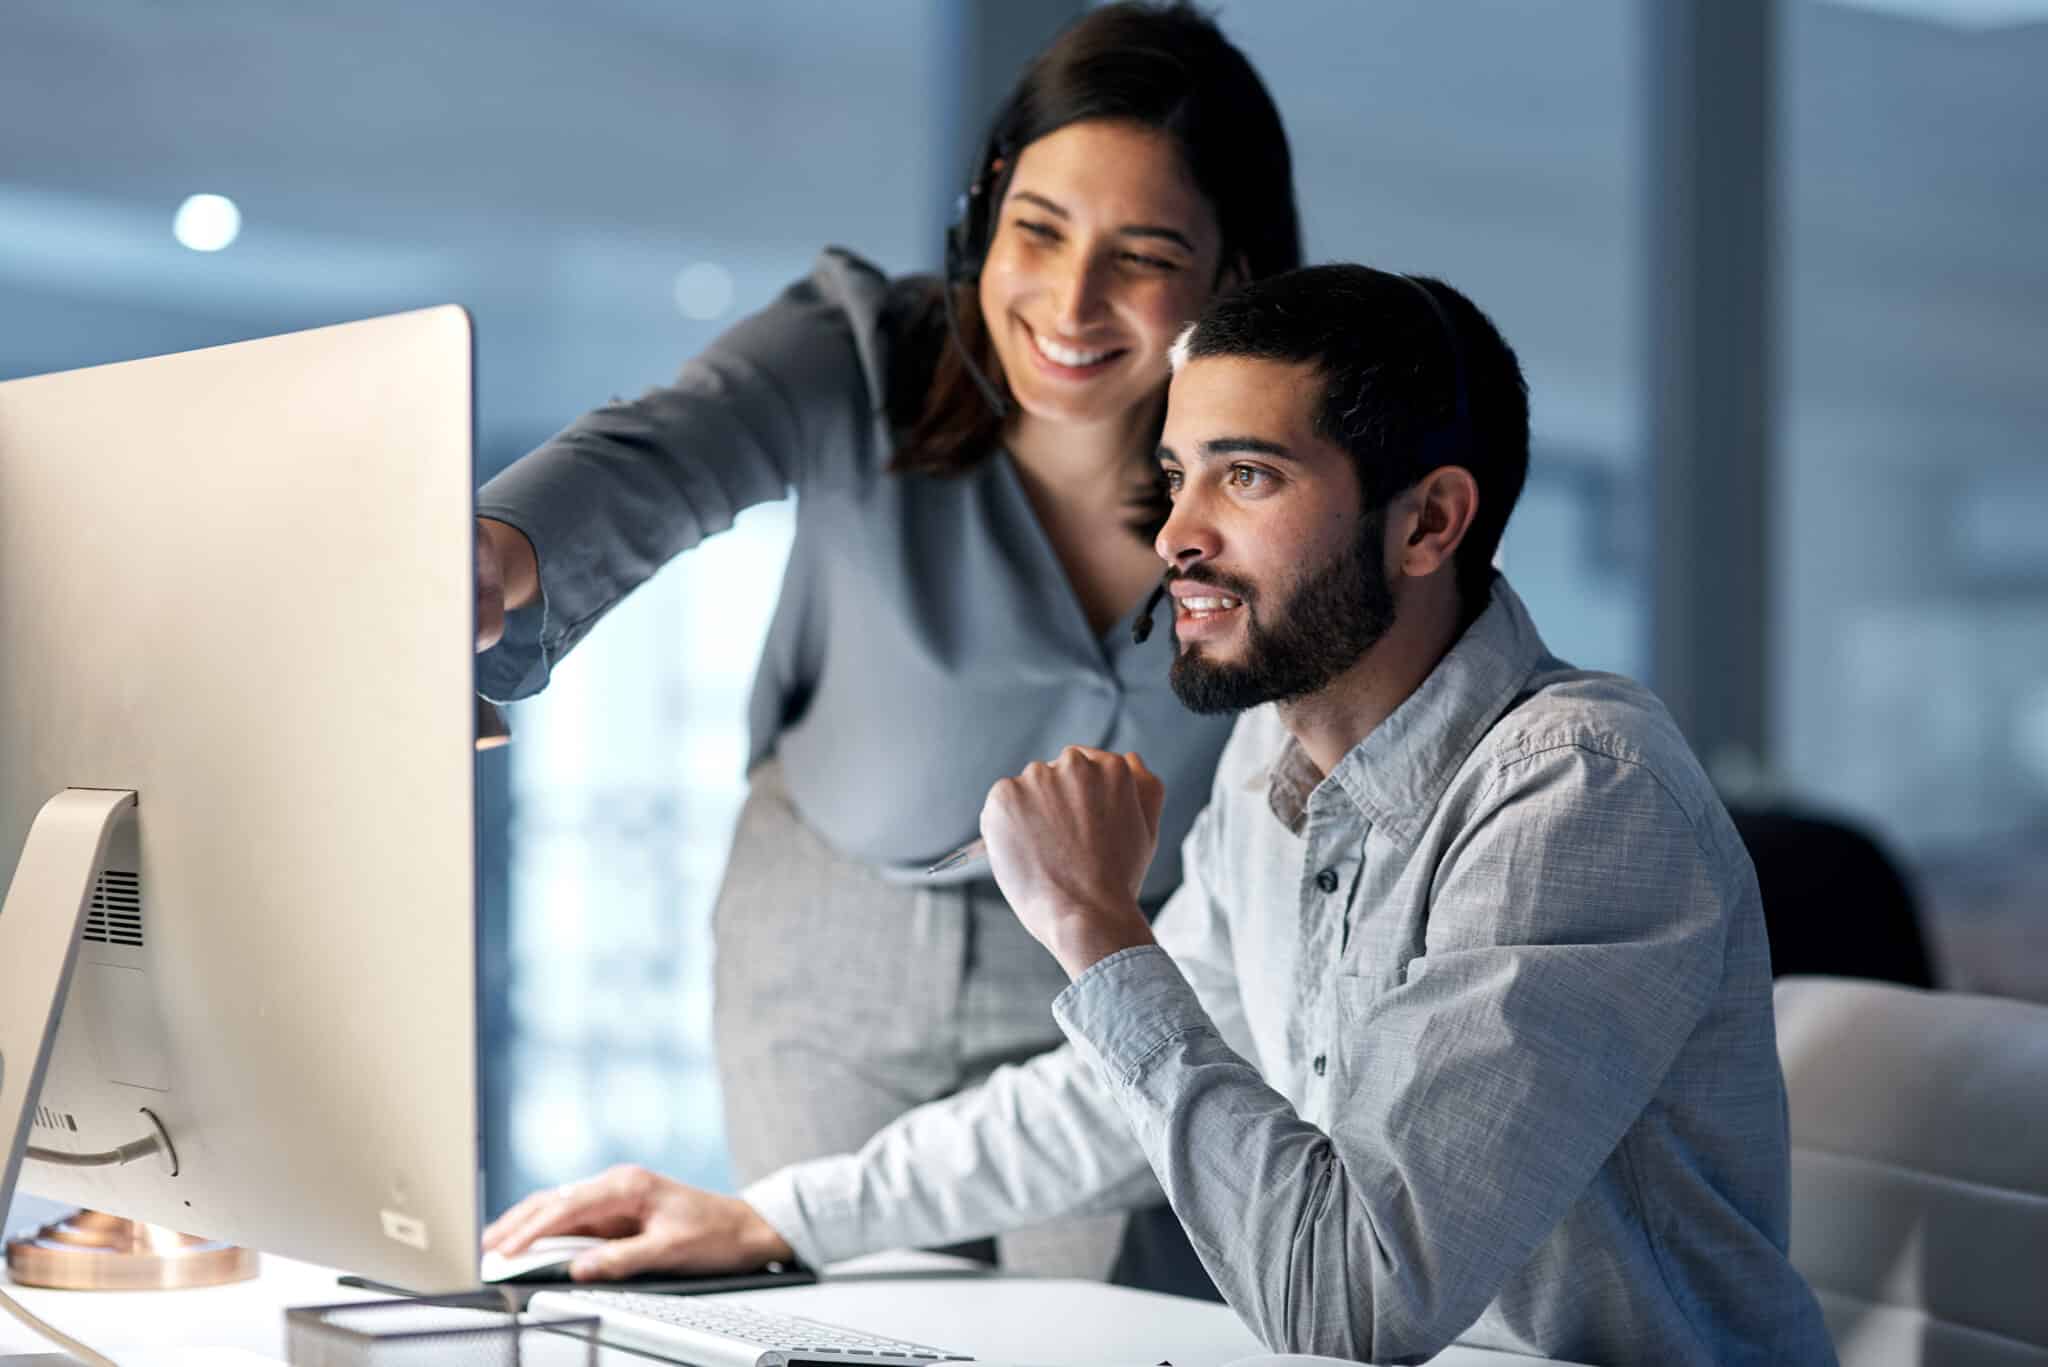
(239, 582)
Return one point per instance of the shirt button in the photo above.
(1319, 1064)
(1327, 880)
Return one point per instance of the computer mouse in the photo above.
(544, 1260)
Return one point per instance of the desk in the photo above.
(1011, 1319)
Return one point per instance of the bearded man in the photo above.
(1460, 1025)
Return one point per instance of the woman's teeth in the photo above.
(1068, 356)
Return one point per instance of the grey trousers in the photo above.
(842, 1000)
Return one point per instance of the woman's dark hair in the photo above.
(1163, 66)
(1394, 353)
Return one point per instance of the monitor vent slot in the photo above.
(114, 916)
(62, 1121)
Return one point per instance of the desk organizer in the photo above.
(477, 1330)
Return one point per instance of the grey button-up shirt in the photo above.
(1471, 1039)
(927, 641)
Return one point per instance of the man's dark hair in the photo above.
(1390, 375)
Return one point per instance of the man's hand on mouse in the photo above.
(1069, 843)
(651, 1224)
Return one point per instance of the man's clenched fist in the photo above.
(1069, 843)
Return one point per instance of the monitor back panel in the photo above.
(239, 582)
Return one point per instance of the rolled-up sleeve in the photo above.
(1575, 937)
(1033, 1141)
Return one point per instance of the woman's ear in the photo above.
(1444, 503)
(1233, 270)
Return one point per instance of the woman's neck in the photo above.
(1093, 464)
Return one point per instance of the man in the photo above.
(1460, 1025)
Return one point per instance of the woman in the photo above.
(977, 497)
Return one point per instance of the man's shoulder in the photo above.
(1570, 717)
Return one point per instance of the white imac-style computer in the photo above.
(237, 950)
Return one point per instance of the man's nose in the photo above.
(1189, 536)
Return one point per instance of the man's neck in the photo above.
(1331, 721)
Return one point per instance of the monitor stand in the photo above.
(39, 931)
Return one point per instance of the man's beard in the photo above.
(1326, 624)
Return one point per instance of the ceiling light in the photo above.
(704, 291)
(206, 223)
(1971, 15)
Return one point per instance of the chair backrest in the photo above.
(1919, 1170)
(1834, 902)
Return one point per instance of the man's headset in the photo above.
(967, 240)
(1448, 444)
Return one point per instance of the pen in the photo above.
(1140, 629)
(971, 851)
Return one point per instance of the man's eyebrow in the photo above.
(1164, 234)
(1233, 446)
(1257, 446)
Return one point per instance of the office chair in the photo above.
(1919, 1170)
(1834, 903)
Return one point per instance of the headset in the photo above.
(967, 240)
(1448, 444)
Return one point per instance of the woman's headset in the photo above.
(967, 239)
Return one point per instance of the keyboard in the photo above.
(708, 1333)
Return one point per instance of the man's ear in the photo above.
(1439, 510)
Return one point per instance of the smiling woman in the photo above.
(975, 458)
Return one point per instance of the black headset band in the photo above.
(1450, 443)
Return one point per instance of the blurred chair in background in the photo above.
(1834, 902)
(1919, 1175)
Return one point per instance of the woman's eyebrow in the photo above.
(1057, 210)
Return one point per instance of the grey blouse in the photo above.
(927, 641)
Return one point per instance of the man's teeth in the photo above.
(1067, 356)
(1207, 604)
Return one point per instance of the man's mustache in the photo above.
(1237, 588)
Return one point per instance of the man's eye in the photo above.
(1150, 263)
(1171, 479)
(1247, 476)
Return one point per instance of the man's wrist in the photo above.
(759, 1241)
(1084, 937)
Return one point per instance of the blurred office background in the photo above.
(1850, 605)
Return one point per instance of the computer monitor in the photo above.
(238, 584)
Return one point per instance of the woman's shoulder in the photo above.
(826, 354)
(893, 321)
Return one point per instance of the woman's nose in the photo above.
(1080, 297)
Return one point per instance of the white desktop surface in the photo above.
(1003, 1319)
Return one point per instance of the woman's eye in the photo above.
(1150, 263)
(1171, 479)
(1044, 232)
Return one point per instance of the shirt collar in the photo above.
(1396, 775)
